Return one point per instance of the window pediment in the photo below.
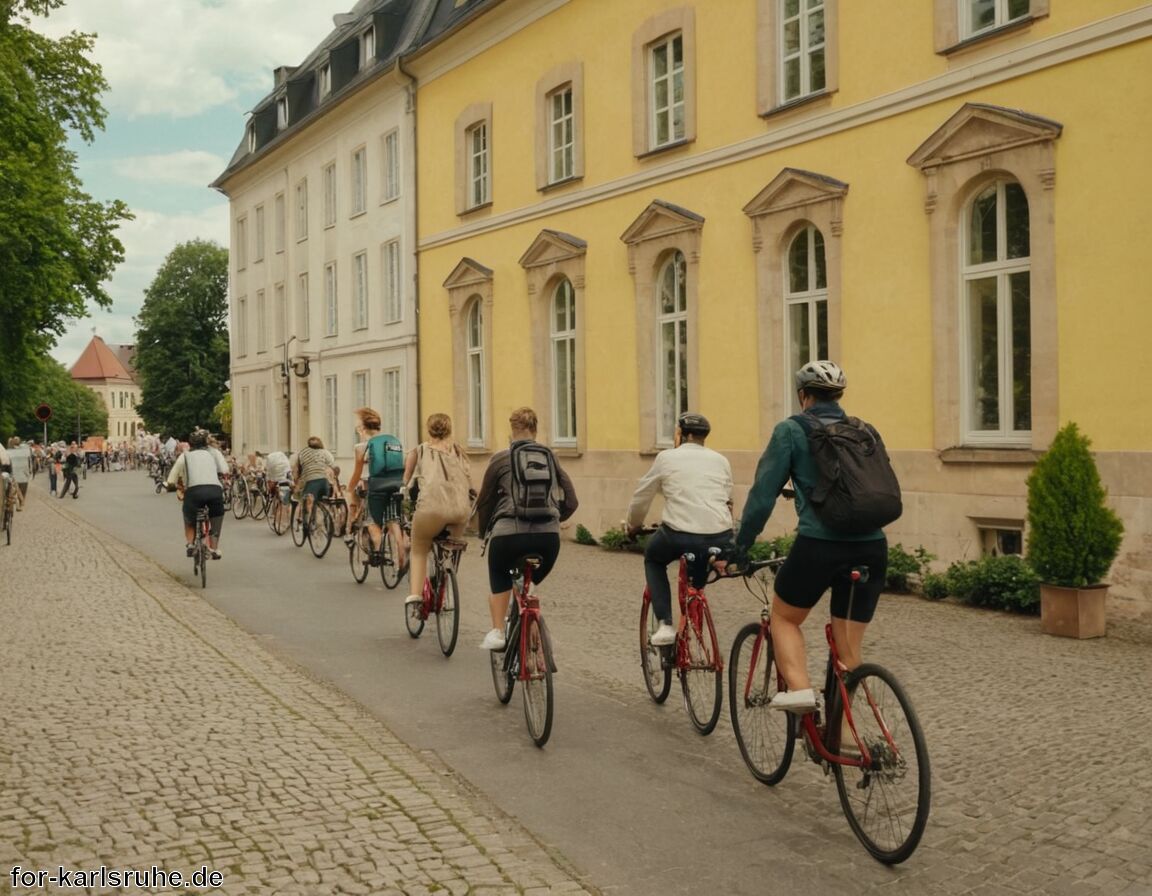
(978, 130)
(551, 246)
(660, 219)
(795, 188)
(468, 272)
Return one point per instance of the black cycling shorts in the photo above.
(505, 550)
(815, 565)
(210, 496)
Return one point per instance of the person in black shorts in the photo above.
(509, 536)
(820, 558)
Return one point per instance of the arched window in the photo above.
(475, 342)
(995, 334)
(672, 323)
(563, 334)
(806, 303)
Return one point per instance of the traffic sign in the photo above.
(43, 413)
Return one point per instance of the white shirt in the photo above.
(200, 467)
(21, 457)
(696, 483)
(276, 465)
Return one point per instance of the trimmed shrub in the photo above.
(934, 585)
(1002, 583)
(617, 540)
(583, 536)
(904, 568)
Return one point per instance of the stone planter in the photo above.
(1073, 612)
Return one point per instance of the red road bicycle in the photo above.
(880, 762)
(441, 594)
(527, 654)
(695, 654)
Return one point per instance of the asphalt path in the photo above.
(625, 791)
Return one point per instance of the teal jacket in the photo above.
(787, 457)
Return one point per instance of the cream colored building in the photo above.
(107, 371)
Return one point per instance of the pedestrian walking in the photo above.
(72, 461)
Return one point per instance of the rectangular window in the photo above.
(281, 312)
(324, 80)
(666, 64)
(331, 415)
(302, 325)
(262, 415)
(278, 224)
(561, 135)
(391, 165)
(978, 16)
(241, 326)
(259, 256)
(330, 308)
(479, 192)
(330, 195)
(360, 389)
(241, 243)
(302, 210)
(281, 113)
(261, 322)
(390, 420)
(390, 267)
(367, 47)
(802, 48)
(359, 181)
(360, 292)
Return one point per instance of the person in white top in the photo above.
(198, 472)
(20, 457)
(696, 483)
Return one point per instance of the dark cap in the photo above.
(696, 424)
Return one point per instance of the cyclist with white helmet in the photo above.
(198, 472)
(820, 557)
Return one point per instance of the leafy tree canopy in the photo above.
(58, 245)
(75, 407)
(182, 339)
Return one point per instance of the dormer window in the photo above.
(324, 80)
(367, 47)
(250, 137)
(282, 113)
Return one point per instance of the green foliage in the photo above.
(775, 547)
(1073, 536)
(934, 585)
(583, 536)
(904, 567)
(75, 407)
(222, 415)
(182, 339)
(1003, 583)
(617, 540)
(57, 244)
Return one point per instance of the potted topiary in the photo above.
(1073, 537)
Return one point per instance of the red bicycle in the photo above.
(527, 654)
(695, 654)
(441, 594)
(869, 736)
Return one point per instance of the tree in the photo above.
(75, 407)
(182, 339)
(58, 245)
(222, 415)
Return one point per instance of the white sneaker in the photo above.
(413, 599)
(663, 636)
(795, 701)
(494, 640)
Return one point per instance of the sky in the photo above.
(182, 76)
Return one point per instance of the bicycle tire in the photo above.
(257, 504)
(320, 530)
(448, 613)
(887, 808)
(766, 737)
(339, 510)
(390, 571)
(504, 679)
(296, 524)
(657, 675)
(277, 515)
(203, 564)
(358, 557)
(539, 699)
(240, 501)
(702, 679)
(9, 518)
(415, 616)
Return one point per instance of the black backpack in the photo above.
(856, 488)
(534, 482)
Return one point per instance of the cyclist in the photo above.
(819, 557)
(509, 536)
(696, 483)
(383, 495)
(310, 470)
(198, 471)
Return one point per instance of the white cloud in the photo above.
(188, 167)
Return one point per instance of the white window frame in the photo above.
(302, 209)
(479, 156)
(477, 384)
(329, 180)
(813, 300)
(563, 342)
(332, 413)
(673, 79)
(359, 181)
(278, 223)
(561, 134)
(331, 301)
(390, 281)
(1001, 17)
(390, 146)
(367, 46)
(361, 389)
(324, 80)
(242, 327)
(259, 227)
(250, 137)
(804, 51)
(392, 402)
(281, 113)
(304, 308)
(261, 321)
(671, 324)
(241, 242)
(360, 291)
(1001, 269)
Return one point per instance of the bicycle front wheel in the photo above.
(320, 530)
(415, 616)
(257, 504)
(240, 501)
(277, 515)
(358, 556)
(537, 676)
(390, 570)
(296, 524)
(503, 681)
(657, 675)
(766, 736)
(448, 613)
(701, 669)
(886, 805)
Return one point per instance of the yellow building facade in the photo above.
(630, 209)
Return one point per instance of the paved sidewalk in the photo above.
(142, 728)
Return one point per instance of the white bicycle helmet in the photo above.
(825, 376)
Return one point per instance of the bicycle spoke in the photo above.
(700, 669)
(765, 736)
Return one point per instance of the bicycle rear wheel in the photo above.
(701, 669)
(320, 530)
(448, 613)
(415, 616)
(257, 504)
(537, 676)
(358, 556)
(766, 736)
(886, 805)
(296, 523)
(277, 515)
(390, 570)
(657, 675)
(240, 500)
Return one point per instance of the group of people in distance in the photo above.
(697, 489)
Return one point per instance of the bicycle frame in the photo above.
(527, 606)
(445, 555)
(689, 598)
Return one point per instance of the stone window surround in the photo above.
(470, 282)
(977, 146)
(473, 115)
(790, 202)
(683, 20)
(554, 256)
(568, 74)
(946, 25)
(768, 57)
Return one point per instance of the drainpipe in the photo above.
(409, 85)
